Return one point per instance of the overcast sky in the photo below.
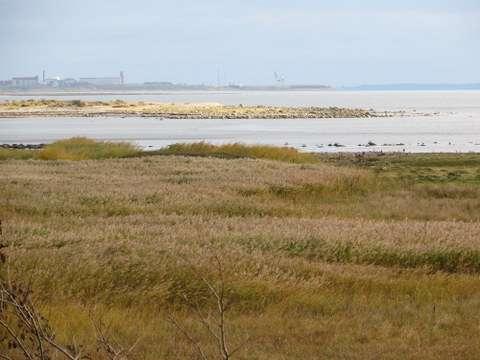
(336, 42)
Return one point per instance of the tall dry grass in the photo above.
(321, 261)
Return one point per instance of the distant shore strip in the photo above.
(120, 108)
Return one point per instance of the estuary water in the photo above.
(452, 124)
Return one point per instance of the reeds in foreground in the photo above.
(333, 259)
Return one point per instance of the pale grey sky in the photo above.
(309, 41)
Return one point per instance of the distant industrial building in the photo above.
(69, 82)
(58, 82)
(103, 80)
(25, 82)
(61, 82)
(53, 82)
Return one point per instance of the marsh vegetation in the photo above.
(327, 256)
(78, 148)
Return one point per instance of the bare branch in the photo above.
(16, 339)
(111, 349)
(216, 328)
(204, 321)
(241, 345)
(187, 336)
(29, 319)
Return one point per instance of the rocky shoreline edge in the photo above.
(23, 146)
(315, 114)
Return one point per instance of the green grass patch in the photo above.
(448, 191)
(77, 148)
(80, 148)
(342, 186)
(17, 154)
(237, 150)
(446, 260)
(415, 168)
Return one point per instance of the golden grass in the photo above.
(321, 261)
(77, 148)
(80, 148)
(238, 150)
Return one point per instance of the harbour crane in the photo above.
(279, 78)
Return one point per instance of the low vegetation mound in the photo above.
(80, 148)
(77, 148)
(238, 150)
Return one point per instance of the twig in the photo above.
(188, 337)
(112, 350)
(16, 339)
(219, 332)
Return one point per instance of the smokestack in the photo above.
(43, 76)
(122, 78)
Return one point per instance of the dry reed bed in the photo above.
(321, 261)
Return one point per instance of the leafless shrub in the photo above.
(24, 332)
(107, 345)
(213, 322)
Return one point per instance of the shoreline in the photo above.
(364, 150)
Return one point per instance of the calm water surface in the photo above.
(454, 128)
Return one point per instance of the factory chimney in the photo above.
(43, 76)
(122, 78)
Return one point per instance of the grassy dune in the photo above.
(335, 257)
